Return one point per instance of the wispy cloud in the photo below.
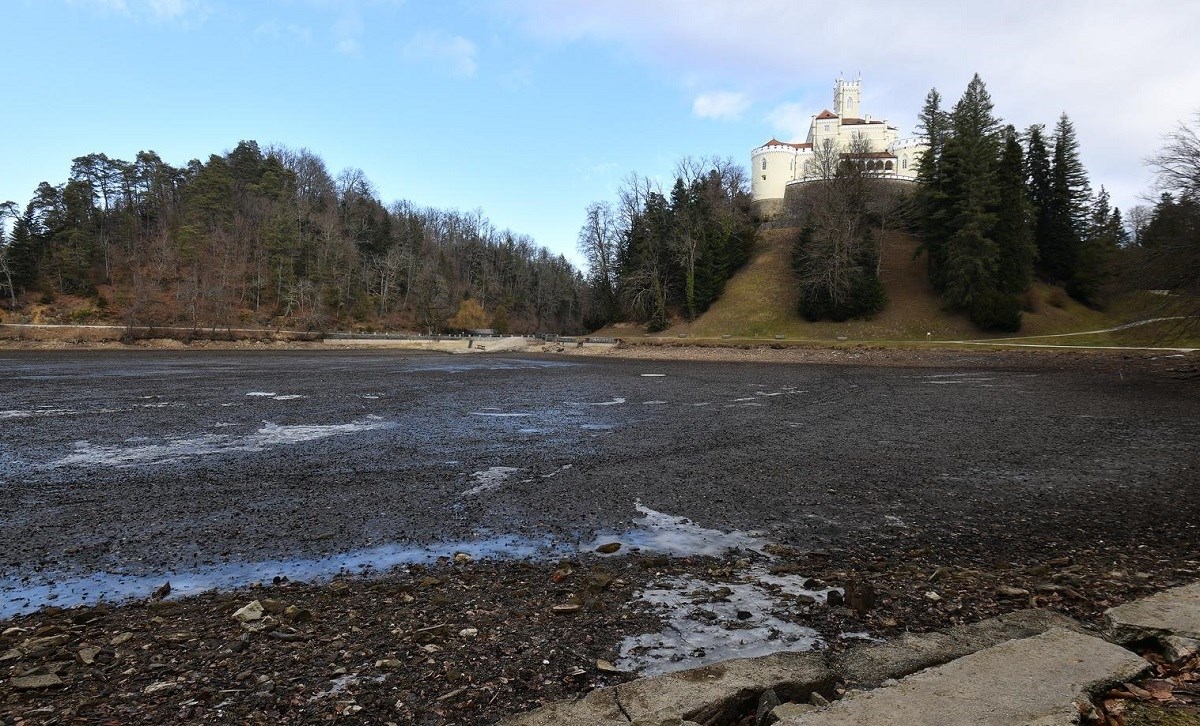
(790, 120)
(720, 105)
(454, 53)
(149, 9)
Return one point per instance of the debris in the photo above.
(249, 613)
(608, 548)
(29, 683)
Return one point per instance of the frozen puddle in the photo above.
(709, 621)
(20, 595)
(185, 447)
(617, 401)
(486, 481)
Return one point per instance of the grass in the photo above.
(760, 303)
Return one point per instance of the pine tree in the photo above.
(968, 168)
(1066, 211)
(1037, 173)
(930, 200)
(1013, 232)
(1097, 247)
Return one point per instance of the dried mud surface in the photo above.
(1067, 482)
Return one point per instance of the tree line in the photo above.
(995, 207)
(654, 255)
(270, 237)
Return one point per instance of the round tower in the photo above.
(772, 166)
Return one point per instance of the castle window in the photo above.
(888, 166)
(904, 163)
(764, 164)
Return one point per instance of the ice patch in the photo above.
(559, 470)
(184, 447)
(654, 375)
(679, 536)
(490, 479)
(288, 397)
(707, 622)
(615, 402)
(500, 415)
(653, 403)
(264, 394)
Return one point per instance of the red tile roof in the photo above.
(777, 142)
(826, 114)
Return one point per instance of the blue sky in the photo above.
(531, 109)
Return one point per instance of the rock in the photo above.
(1170, 612)
(162, 591)
(767, 703)
(804, 599)
(121, 638)
(932, 596)
(834, 598)
(605, 667)
(462, 558)
(817, 700)
(87, 656)
(566, 609)
(860, 596)
(297, 615)
(1008, 591)
(37, 646)
(608, 548)
(790, 710)
(390, 664)
(1176, 649)
(871, 665)
(274, 607)
(29, 683)
(339, 588)
(744, 614)
(12, 631)
(11, 654)
(428, 581)
(468, 633)
(1038, 680)
(249, 613)
(160, 687)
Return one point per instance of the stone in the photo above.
(462, 558)
(11, 654)
(87, 656)
(932, 596)
(1176, 648)
(121, 638)
(390, 664)
(608, 548)
(767, 703)
(605, 667)
(161, 591)
(468, 633)
(1039, 680)
(1170, 612)
(787, 710)
(249, 612)
(834, 598)
(566, 609)
(873, 664)
(817, 700)
(714, 694)
(36, 646)
(1008, 591)
(30, 683)
(339, 588)
(860, 596)
(160, 687)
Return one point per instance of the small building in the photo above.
(776, 165)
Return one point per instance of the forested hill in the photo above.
(270, 237)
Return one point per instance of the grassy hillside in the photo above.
(760, 302)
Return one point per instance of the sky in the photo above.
(531, 109)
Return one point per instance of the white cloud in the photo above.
(720, 105)
(790, 121)
(455, 54)
(1124, 74)
(158, 10)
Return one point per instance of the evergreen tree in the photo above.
(1013, 232)
(969, 179)
(930, 199)
(1066, 212)
(1097, 248)
(1037, 173)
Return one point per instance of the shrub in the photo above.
(996, 312)
(1031, 302)
(1057, 297)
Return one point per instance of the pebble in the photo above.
(932, 596)
(608, 548)
(468, 633)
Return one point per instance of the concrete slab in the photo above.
(1035, 680)
(718, 693)
(710, 695)
(867, 666)
(1170, 612)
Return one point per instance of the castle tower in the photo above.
(846, 96)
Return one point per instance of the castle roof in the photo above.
(826, 114)
(777, 142)
(857, 121)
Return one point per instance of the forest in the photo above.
(654, 256)
(268, 237)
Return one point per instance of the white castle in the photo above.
(777, 164)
